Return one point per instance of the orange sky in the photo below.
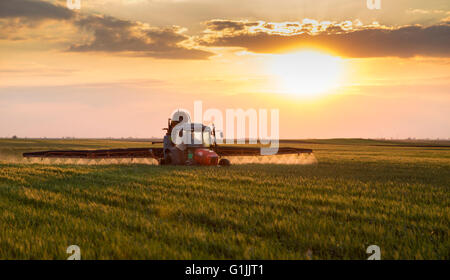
(119, 68)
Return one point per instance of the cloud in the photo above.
(220, 25)
(31, 9)
(134, 38)
(19, 16)
(350, 39)
(107, 34)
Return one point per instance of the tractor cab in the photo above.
(195, 148)
(200, 136)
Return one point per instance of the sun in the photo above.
(306, 73)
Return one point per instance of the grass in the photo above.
(358, 194)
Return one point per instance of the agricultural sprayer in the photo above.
(202, 150)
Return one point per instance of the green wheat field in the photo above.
(394, 194)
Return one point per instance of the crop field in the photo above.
(394, 194)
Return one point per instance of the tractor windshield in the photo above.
(201, 136)
(206, 138)
(197, 137)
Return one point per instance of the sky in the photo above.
(119, 68)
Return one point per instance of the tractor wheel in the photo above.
(168, 159)
(224, 162)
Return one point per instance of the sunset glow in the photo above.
(307, 73)
(113, 67)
